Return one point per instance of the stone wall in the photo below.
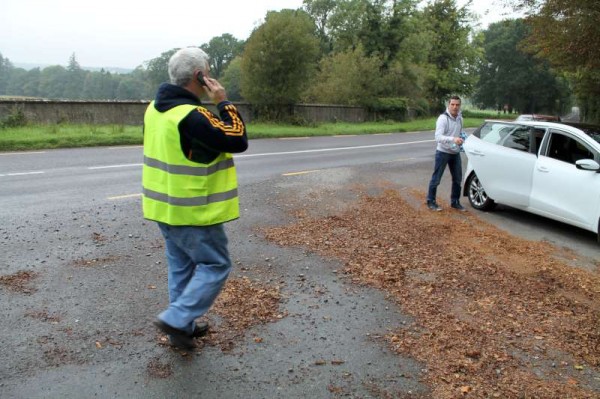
(132, 112)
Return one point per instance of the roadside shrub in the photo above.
(469, 113)
(419, 108)
(15, 119)
(394, 108)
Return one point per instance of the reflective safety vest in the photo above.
(177, 191)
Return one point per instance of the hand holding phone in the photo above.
(202, 81)
(213, 88)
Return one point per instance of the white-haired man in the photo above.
(190, 188)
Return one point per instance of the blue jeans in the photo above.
(454, 163)
(198, 266)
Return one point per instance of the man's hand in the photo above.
(214, 90)
(458, 140)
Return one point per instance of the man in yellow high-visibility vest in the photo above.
(190, 188)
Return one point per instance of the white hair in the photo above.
(184, 63)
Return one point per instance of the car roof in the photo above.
(541, 116)
(557, 125)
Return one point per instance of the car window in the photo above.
(511, 135)
(519, 139)
(591, 130)
(494, 132)
(568, 149)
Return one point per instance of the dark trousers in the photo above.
(454, 163)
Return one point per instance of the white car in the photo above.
(550, 169)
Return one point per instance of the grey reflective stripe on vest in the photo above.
(193, 201)
(188, 170)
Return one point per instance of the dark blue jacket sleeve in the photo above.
(204, 135)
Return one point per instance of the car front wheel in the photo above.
(477, 195)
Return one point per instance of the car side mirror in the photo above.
(587, 164)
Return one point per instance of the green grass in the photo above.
(268, 130)
(35, 137)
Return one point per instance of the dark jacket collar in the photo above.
(169, 96)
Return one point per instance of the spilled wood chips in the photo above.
(495, 315)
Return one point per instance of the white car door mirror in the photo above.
(588, 164)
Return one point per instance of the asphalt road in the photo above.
(61, 208)
(46, 180)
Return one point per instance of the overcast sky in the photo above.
(126, 33)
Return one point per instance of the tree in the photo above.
(222, 49)
(52, 81)
(341, 79)
(278, 60)
(24, 83)
(74, 79)
(567, 34)
(320, 11)
(100, 85)
(17, 81)
(346, 21)
(129, 88)
(232, 78)
(140, 76)
(510, 76)
(5, 69)
(158, 68)
(452, 59)
(398, 28)
(370, 33)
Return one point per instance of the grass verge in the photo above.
(35, 137)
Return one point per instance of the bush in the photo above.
(394, 108)
(469, 113)
(15, 119)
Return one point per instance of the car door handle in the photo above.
(543, 169)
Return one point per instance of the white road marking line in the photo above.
(237, 156)
(124, 196)
(398, 160)
(39, 172)
(22, 153)
(332, 149)
(301, 173)
(128, 165)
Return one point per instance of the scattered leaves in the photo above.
(467, 285)
(95, 261)
(242, 304)
(19, 282)
(156, 369)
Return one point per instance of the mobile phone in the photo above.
(201, 80)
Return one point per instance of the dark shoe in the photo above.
(177, 337)
(200, 330)
(433, 206)
(458, 207)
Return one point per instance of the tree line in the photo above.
(387, 55)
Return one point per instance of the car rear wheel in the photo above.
(477, 195)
